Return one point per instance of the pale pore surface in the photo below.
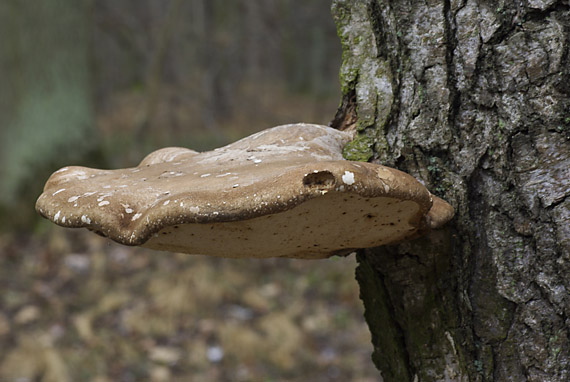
(312, 230)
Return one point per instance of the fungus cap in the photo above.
(283, 192)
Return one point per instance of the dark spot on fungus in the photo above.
(319, 180)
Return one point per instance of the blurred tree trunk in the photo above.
(46, 116)
(472, 98)
(154, 77)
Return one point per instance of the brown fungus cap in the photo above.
(283, 192)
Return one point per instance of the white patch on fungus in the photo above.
(137, 215)
(204, 175)
(195, 209)
(281, 149)
(348, 177)
(257, 135)
(58, 191)
(72, 199)
(104, 203)
(127, 208)
(166, 203)
(56, 217)
(103, 196)
(85, 219)
(63, 219)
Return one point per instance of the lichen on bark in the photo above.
(366, 74)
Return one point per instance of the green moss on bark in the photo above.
(361, 149)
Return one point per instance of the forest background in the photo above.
(103, 83)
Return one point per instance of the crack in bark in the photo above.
(451, 46)
(346, 116)
(388, 337)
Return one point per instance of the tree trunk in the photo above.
(472, 98)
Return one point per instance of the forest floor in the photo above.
(76, 307)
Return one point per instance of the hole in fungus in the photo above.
(319, 180)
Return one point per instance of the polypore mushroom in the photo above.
(283, 192)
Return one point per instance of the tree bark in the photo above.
(472, 98)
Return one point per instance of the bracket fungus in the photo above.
(283, 192)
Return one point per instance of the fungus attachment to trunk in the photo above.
(283, 192)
